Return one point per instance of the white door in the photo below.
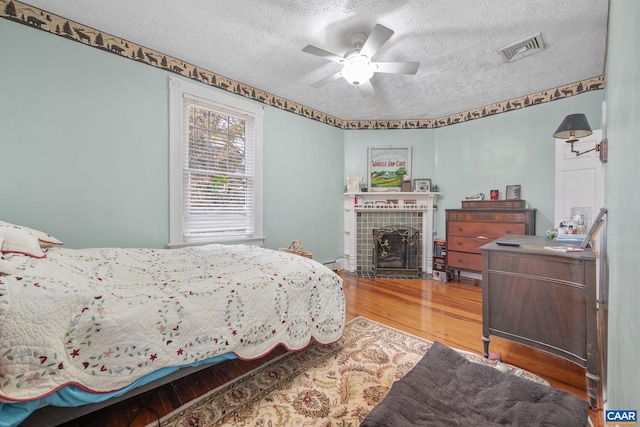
(579, 180)
(580, 183)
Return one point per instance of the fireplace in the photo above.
(396, 251)
(362, 216)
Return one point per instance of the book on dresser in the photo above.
(479, 222)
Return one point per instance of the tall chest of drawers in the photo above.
(480, 222)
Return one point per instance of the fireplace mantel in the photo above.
(373, 204)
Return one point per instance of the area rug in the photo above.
(323, 385)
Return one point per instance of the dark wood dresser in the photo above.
(480, 222)
(542, 298)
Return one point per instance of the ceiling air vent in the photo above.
(522, 48)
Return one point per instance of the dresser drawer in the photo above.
(466, 244)
(483, 229)
(464, 261)
(467, 229)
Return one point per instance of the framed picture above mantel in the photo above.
(388, 168)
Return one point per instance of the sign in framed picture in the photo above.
(388, 167)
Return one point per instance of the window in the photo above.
(215, 166)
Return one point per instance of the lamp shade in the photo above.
(573, 126)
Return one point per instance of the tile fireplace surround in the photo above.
(366, 222)
(360, 221)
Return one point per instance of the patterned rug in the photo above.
(323, 385)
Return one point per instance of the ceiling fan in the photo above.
(358, 66)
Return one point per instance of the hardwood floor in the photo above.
(449, 313)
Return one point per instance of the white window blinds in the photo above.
(218, 172)
(216, 193)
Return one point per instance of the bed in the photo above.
(83, 325)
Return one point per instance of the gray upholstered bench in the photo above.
(445, 389)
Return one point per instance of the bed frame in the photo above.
(55, 415)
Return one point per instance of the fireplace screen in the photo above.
(396, 251)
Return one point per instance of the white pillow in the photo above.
(46, 240)
(17, 240)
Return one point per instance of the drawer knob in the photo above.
(459, 259)
(460, 229)
(459, 243)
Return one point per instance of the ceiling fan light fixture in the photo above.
(358, 69)
(357, 66)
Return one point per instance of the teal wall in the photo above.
(480, 155)
(510, 148)
(84, 152)
(303, 184)
(84, 142)
(622, 180)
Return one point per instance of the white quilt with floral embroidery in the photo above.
(102, 318)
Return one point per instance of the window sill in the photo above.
(230, 241)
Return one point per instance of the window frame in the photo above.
(178, 88)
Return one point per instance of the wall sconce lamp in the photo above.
(576, 126)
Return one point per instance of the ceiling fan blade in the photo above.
(376, 39)
(397, 67)
(322, 53)
(366, 89)
(326, 80)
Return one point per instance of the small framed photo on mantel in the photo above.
(513, 192)
(422, 185)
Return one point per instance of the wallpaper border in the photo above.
(39, 19)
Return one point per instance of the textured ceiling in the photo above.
(259, 42)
